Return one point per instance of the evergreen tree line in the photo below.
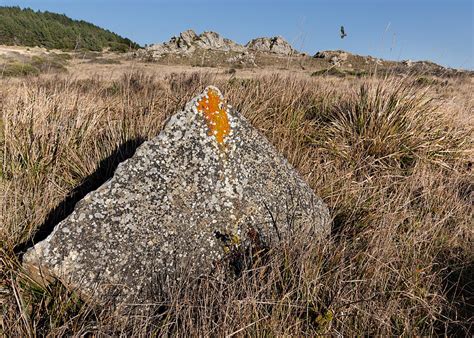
(27, 27)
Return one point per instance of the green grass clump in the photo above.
(12, 69)
(332, 71)
(389, 125)
(105, 61)
(339, 72)
(48, 63)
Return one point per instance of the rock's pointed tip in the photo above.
(212, 88)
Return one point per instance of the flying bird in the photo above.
(343, 33)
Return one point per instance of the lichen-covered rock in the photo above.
(245, 58)
(188, 37)
(188, 41)
(214, 41)
(335, 57)
(277, 45)
(207, 184)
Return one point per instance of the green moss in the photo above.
(323, 320)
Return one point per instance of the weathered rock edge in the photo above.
(181, 203)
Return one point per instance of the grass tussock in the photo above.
(335, 71)
(390, 125)
(387, 156)
(12, 69)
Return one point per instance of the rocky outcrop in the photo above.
(208, 186)
(276, 45)
(335, 57)
(212, 40)
(428, 67)
(188, 41)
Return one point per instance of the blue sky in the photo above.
(436, 30)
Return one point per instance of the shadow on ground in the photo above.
(104, 172)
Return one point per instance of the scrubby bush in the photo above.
(18, 69)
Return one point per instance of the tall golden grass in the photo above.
(392, 159)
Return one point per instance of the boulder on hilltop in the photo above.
(335, 57)
(276, 45)
(188, 41)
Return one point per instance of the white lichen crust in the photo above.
(162, 209)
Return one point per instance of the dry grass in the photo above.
(392, 158)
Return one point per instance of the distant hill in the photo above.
(210, 49)
(26, 27)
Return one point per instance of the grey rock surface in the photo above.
(245, 58)
(335, 57)
(188, 41)
(188, 37)
(277, 45)
(212, 40)
(206, 185)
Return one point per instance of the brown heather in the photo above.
(391, 157)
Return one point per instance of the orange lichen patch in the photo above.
(215, 114)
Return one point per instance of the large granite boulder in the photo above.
(214, 41)
(207, 185)
(276, 45)
(335, 57)
(188, 41)
(188, 37)
(182, 44)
